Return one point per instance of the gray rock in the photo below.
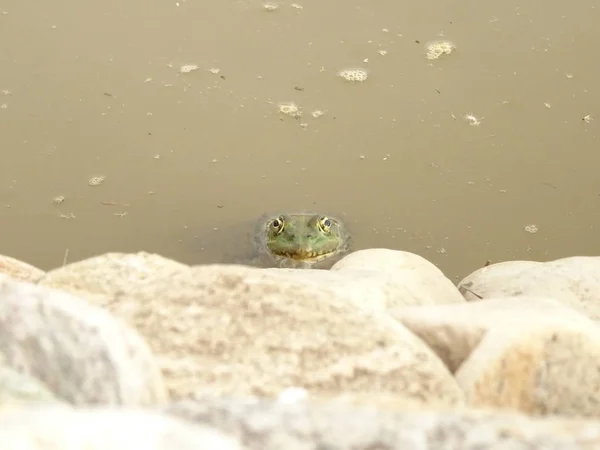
(574, 281)
(454, 331)
(240, 330)
(532, 354)
(265, 425)
(47, 428)
(79, 351)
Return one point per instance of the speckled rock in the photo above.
(527, 353)
(105, 429)
(542, 367)
(454, 331)
(110, 274)
(264, 425)
(575, 281)
(19, 269)
(234, 329)
(79, 351)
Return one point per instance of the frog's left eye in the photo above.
(324, 224)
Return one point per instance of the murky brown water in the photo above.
(95, 89)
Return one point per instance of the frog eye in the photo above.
(277, 224)
(324, 224)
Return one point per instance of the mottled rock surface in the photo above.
(105, 429)
(79, 351)
(454, 331)
(575, 281)
(234, 329)
(264, 425)
(383, 329)
(111, 274)
(541, 369)
(526, 353)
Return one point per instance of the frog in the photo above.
(301, 240)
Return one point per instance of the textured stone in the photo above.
(234, 329)
(575, 281)
(541, 368)
(79, 351)
(110, 274)
(454, 331)
(105, 429)
(409, 278)
(264, 425)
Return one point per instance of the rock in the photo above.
(105, 429)
(79, 351)
(234, 329)
(383, 401)
(575, 281)
(19, 270)
(18, 388)
(267, 425)
(454, 331)
(373, 291)
(110, 274)
(526, 353)
(543, 367)
(409, 278)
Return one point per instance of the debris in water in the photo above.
(355, 74)
(438, 48)
(270, 6)
(473, 121)
(290, 109)
(187, 68)
(531, 228)
(96, 181)
(58, 199)
(111, 203)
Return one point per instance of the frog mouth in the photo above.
(306, 255)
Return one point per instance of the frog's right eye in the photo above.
(277, 224)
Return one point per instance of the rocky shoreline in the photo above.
(380, 352)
